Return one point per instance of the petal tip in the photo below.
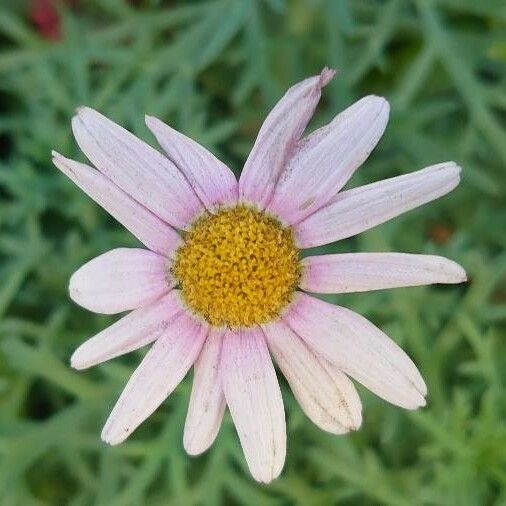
(150, 120)
(418, 401)
(80, 359)
(58, 160)
(385, 105)
(378, 103)
(460, 274)
(190, 447)
(356, 420)
(75, 362)
(376, 107)
(422, 402)
(74, 291)
(453, 272)
(452, 166)
(81, 109)
(105, 438)
(265, 477)
(109, 437)
(326, 75)
(413, 404)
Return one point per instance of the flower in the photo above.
(222, 286)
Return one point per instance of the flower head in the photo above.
(222, 286)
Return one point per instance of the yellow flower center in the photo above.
(237, 267)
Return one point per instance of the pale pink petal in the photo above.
(328, 158)
(161, 370)
(120, 280)
(212, 180)
(254, 399)
(136, 329)
(278, 139)
(362, 208)
(137, 168)
(325, 394)
(361, 272)
(358, 348)
(207, 401)
(143, 224)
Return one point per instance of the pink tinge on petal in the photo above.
(354, 211)
(361, 272)
(278, 139)
(325, 394)
(207, 401)
(326, 159)
(142, 223)
(137, 168)
(213, 182)
(254, 399)
(358, 348)
(120, 280)
(133, 331)
(159, 373)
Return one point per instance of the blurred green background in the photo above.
(213, 69)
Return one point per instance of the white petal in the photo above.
(358, 348)
(361, 272)
(254, 399)
(120, 280)
(278, 138)
(362, 208)
(325, 394)
(207, 401)
(329, 157)
(138, 169)
(148, 228)
(212, 180)
(136, 329)
(161, 370)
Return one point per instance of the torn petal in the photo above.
(278, 139)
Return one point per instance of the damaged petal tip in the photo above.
(326, 75)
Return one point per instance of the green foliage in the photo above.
(212, 69)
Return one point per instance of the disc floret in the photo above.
(237, 267)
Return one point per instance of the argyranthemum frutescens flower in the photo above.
(222, 287)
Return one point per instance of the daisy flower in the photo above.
(222, 286)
